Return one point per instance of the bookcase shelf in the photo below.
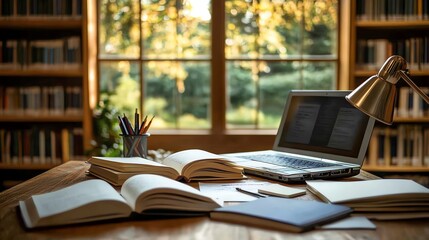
(379, 29)
(396, 24)
(77, 118)
(41, 23)
(44, 103)
(411, 119)
(405, 169)
(41, 72)
(368, 73)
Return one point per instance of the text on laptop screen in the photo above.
(324, 124)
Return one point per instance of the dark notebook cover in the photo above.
(282, 213)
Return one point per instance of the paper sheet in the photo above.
(350, 223)
(226, 192)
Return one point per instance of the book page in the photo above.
(132, 164)
(180, 159)
(149, 191)
(82, 202)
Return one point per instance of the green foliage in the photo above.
(107, 141)
(179, 92)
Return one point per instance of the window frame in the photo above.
(217, 139)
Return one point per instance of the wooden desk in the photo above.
(180, 228)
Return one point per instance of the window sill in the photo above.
(228, 141)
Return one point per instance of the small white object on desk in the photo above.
(356, 222)
(281, 191)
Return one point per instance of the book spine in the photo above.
(371, 53)
(62, 9)
(36, 100)
(46, 145)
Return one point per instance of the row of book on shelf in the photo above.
(371, 53)
(382, 10)
(40, 145)
(410, 104)
(41, 8)
(41, 54)
(405, 145)
(38, 100)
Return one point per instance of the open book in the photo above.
(94, 200)
(189, 165)
(376, 199)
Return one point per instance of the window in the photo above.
(214, 66)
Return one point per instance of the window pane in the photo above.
(119, 32)
(280, 29)
(120, 84)
(263, 28)
(178, 93)
(257, 91)
(176, 29)
(285, 33)
(320, 36)
(319, 75)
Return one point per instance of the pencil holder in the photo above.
(135, 145)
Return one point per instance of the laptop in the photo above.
(321, 136)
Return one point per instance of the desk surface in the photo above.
(72, 172)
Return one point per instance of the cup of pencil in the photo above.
(135, 138)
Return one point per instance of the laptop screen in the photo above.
(323, 124)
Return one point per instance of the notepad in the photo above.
(281, 191)
(383, 199)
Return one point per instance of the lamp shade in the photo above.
(376, 98)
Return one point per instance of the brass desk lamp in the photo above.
(376, 96)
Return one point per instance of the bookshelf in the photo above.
(378, 29)
(45, 118)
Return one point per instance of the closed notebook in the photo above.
(377, 199)
(281, 213)
(371, 192)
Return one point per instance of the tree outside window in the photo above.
(158, 56)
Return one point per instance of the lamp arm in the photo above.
(413, 86)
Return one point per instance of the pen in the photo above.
(128, 125)
(136, 123)
(122, 126)
(250, 193)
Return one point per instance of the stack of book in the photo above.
(381, 199)
(187, 165)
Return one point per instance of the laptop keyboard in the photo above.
(287, 161)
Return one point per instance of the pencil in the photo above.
(148, 125)
(250, 193)
(141, 129)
